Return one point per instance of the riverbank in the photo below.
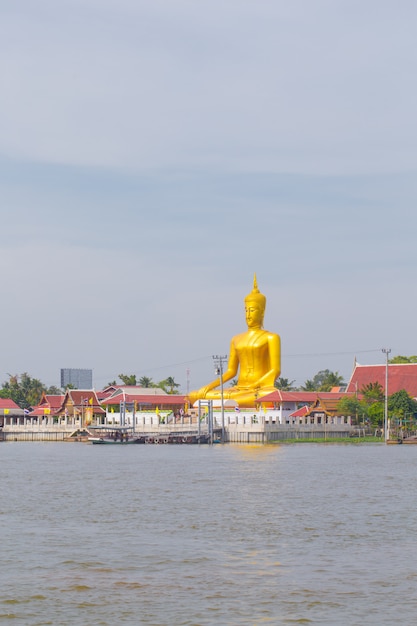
(333, 440)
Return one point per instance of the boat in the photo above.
(122, 435)
(412, 439)
(111, 441)
(115, 436)
(177, 438)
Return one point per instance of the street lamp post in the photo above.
(218, 360)
(386, 351)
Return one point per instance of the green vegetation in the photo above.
(323, 381)
(167, 384)
(128, 379)
(25, 391)
(145, 381)
(403, 359)
(370, 409)
(284, 384)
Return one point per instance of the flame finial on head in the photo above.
(256, 296)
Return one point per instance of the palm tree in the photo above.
(145, 381)
(23, 390)
(331, 379)
(284, 384)
(53, 391)
(309, 385)
(324, 381)
(128, 379)
(170, 384)
(373, 392)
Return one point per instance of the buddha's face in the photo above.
(254, 314)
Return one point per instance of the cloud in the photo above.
(315, 87)
(153, 156)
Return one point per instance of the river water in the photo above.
(189, 535)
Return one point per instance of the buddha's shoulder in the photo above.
(261, 332)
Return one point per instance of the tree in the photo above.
(145, 381)
(373, 392)
(327, 379)
(376, 413)
(284, 384)
(309, 385)
(169, 385)
(373, 398)
(23, 390)
(401, 404)
(128, 379)
(350, 405)
(324, 380)
(53, 391)
(403, 359)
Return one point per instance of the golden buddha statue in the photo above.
(255, 353)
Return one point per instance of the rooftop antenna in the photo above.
(188, 381)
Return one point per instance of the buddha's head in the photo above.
(255, 304)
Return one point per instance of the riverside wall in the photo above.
(248, 432)
(284, 432)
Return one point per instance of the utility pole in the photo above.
(218, 362)
(386, 351)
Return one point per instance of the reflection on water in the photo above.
(187, 535)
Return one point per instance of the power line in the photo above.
(286, 356)
(312, 354)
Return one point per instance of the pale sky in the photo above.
(154, 155)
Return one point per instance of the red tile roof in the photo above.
(400, 376)
(102, 395)
(300, 396)
(7, 403)
(54, 402)
(160, 400)
(40, 410)
(80, 398)
(301, 412)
